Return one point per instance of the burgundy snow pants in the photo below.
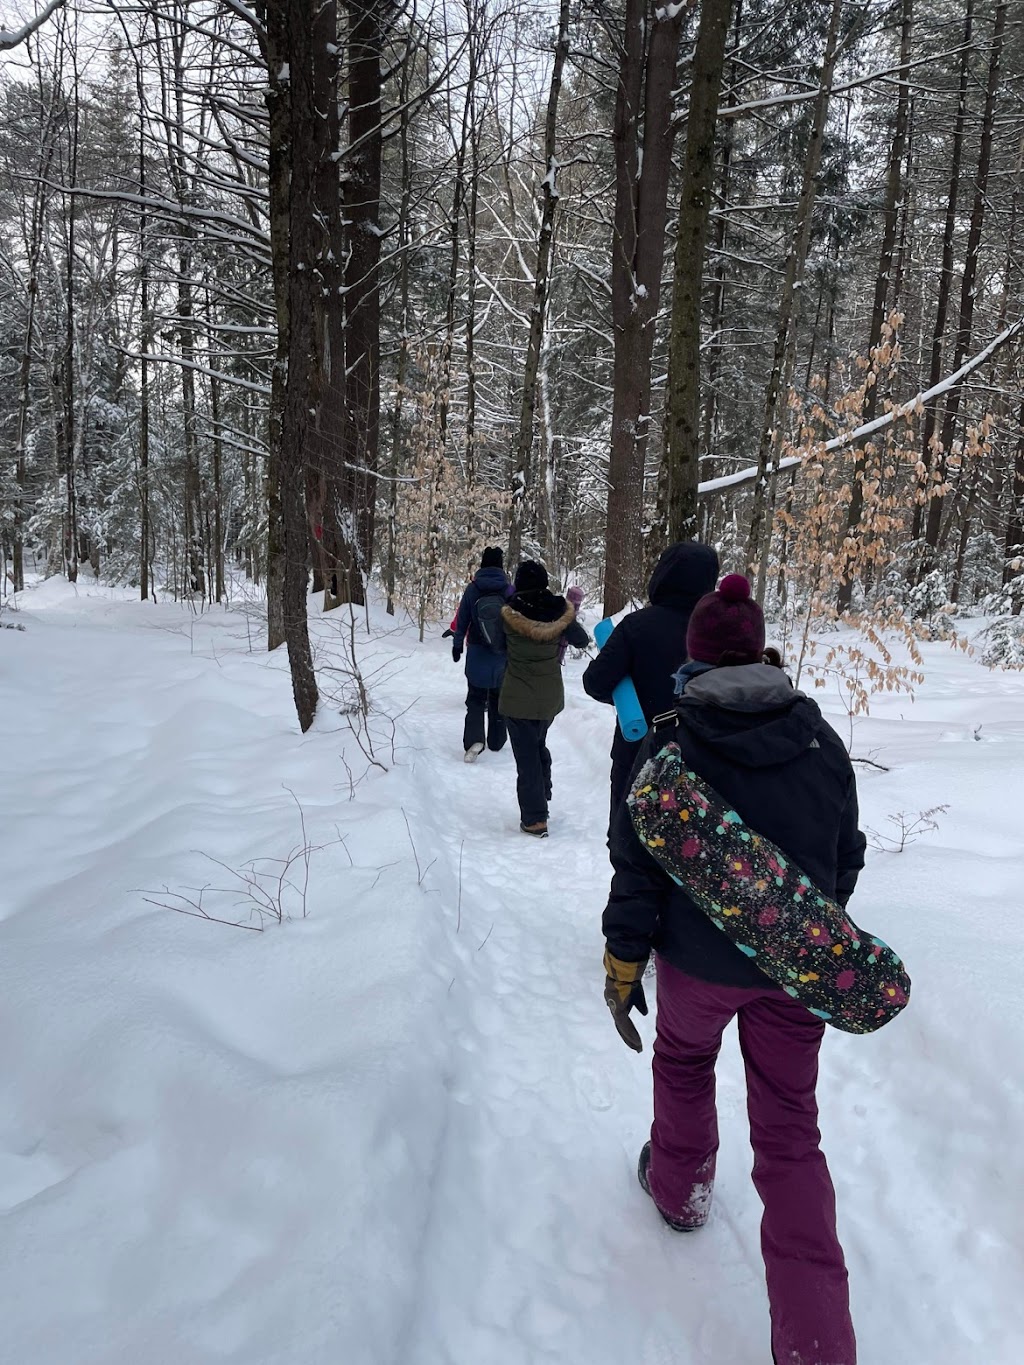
(804, 1266)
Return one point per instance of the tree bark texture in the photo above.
(455, 231)
(684, 390)
(25, 377)
(279, 100)
(196, 580)
(716, 348)
(946, 272)
(146, 329)
(965, 329)
(1013, 547)
(367, 22)
(647, 77)
(880, 306)
(292, 111)
(404, 230)
(67, 432)
(522, 476)
(784, 357)
(330, 533)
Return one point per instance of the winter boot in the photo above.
(676, 1224)
(539, 830)
(473, 753)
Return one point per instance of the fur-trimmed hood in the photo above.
(544, 632)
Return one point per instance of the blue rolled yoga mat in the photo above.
(632, 721)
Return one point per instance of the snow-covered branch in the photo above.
(230, 379)
(805, 96)
(848, 438)
(13, 37)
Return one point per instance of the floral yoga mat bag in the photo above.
(772, 911)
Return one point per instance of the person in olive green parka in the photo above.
(532, 694)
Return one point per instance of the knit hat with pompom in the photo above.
(727, 626)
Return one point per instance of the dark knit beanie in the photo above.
(531, 576)
(727, 626)
(492, 558)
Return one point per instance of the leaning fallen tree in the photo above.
(711, 487)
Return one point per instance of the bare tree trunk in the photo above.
(474, 19)
(879, 311)
(34, 245)
(218, 493)
(471, 221)
(647, 76)
(946, 271)
(716, 349)
(146, 336)
(404, 229)
(974, 485)
(1013, 547)
(295, 24)
(278, 98)
(331, 534)
(907, 209)
(550, 447)
(34, 249)
(625, 473)
(1013, 538)
(682, 447)
(186, 319)
(781, 377)
(965, 330)
(66, 435)
(522, 476)
(367, 23)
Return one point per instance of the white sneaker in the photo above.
(473, 752)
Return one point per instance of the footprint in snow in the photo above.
(592, 1088)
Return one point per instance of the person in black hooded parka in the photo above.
(649, 646)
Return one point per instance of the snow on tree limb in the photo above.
(848, 438)
(244, 12)
(13, 37)
(805, 96)
(158, 357)
(217, 223)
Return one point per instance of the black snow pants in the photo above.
(481, 702)
(533, 767)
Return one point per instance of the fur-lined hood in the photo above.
(544, 632)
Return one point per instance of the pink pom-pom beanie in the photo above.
(727, 625)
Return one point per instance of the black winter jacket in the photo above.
(767, 750)
(650, 645)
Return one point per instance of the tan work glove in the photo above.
(623, 991)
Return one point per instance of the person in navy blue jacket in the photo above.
(485, 660)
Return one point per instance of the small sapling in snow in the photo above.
(908, 827)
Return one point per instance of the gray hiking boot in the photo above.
(643, 1166)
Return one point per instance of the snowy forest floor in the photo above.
(402, 1130)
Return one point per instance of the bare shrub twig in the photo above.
(909, 828)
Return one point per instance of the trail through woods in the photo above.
(402, 1130)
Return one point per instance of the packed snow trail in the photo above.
(403, 1131)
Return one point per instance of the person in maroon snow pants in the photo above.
(769, 753)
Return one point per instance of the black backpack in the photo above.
(490, 628)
